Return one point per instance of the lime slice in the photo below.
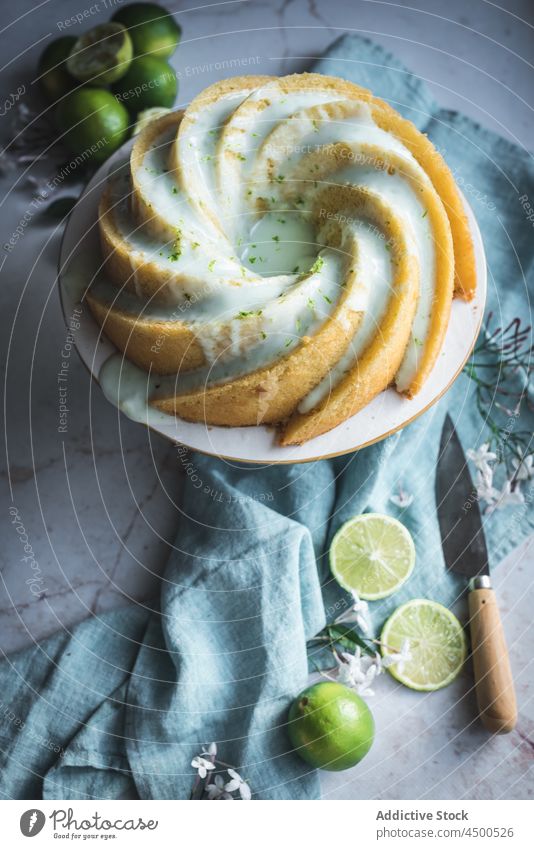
(102, 55)
(437, 644)
(372, 555)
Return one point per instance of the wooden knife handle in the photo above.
(494, 684)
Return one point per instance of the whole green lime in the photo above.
(149, 82)
(152, 29)
(330, 726)
(54, 78)
(93, 124)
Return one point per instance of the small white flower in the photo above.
(402, 499)
(506, 497)
(482, 456)
(357, 672)
(237, 783)
(216, 790)
(350, 671)
(485, 475)
(364, 689)
(377, 661)
(202, 765)
(484, 486)
(210, 751)
(357, 613)
(398, 659)
(524, 468)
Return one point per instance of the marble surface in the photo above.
(98, 501)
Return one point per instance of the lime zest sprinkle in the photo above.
(317, 265)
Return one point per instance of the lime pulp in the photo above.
(102, 55)
(372, 555)
(436, 640)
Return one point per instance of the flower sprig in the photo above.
(501, 368)
(358, 661)
(510, 493)
(358, 671)
(210, 782)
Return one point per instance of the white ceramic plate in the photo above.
(386, 414)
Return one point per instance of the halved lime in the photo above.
(372, 555)
(152, 29)
(102, 55)
(437, 644)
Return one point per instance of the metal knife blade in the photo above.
(462, 534)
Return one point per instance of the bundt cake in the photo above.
(280, 253)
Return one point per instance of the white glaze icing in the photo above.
(260, 263)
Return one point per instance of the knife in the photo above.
(465, 552)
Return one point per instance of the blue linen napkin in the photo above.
(119, 707)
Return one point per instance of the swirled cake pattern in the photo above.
(279, 253)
